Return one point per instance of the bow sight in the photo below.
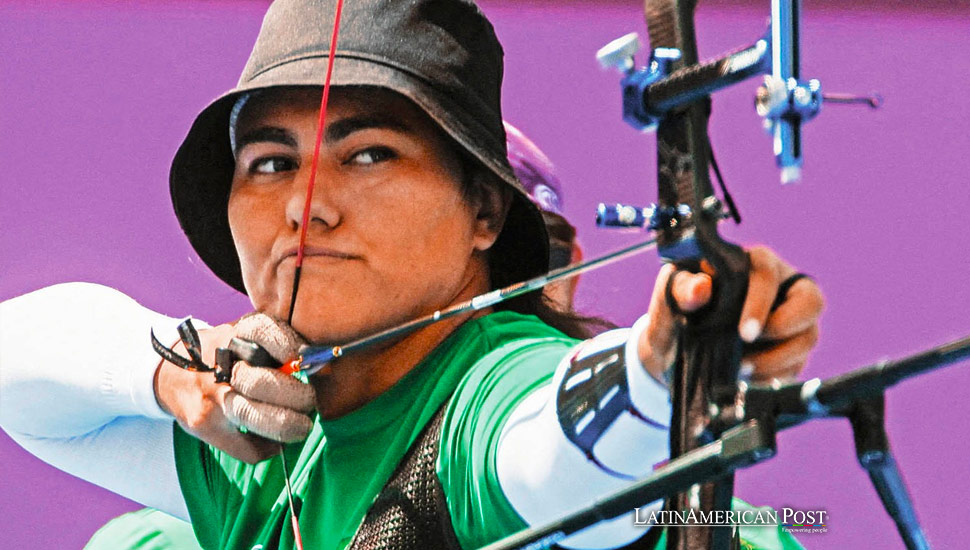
(784, 100)
(719, 425)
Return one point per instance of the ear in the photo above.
(494, 201)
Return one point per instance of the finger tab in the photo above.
(276, 337)
(270, 421)
(272, 386)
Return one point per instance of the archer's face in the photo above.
(390, 236)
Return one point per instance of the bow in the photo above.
(718, 423)
(671, 96)
(710, 348)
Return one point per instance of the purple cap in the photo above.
(534, 170)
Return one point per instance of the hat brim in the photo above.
(201, 174)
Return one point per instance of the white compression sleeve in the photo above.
(76, 380)
(544, 475)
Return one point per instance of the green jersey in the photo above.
(344, 463)
(480, 373)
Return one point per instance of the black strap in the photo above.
(784, 287)
(176, 359)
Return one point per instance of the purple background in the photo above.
(96, 97)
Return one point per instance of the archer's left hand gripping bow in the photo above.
(671, 95)
(710, 349)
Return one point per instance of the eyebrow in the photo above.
(346, 126)
(335, 132)
(271, 134)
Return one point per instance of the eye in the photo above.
(271, 165)
(372, 155)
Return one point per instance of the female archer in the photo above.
(449, 436)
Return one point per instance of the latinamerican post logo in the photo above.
(789, 519)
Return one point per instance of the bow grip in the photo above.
(729, 287)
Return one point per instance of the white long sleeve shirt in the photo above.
(82, 404)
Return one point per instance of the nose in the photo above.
(311, 199)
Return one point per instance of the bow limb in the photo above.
(710, 348)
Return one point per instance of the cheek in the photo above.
(248, 223)
(439, 252)
(241, 231)
(445, 227)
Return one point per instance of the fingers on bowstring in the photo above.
(273, 387)
(784, 360)
(276, 337)
(270, 421)
(767, 273)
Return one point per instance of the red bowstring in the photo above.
(316, 158)
(321, 122)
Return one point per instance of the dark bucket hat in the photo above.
(441, 54)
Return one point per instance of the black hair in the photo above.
(504, 257)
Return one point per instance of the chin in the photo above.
(335, 311)
(337, 331)
(317, 303)
(334, 322)
(323, 318)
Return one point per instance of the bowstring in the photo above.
(321, 122)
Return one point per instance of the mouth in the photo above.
(317, 252)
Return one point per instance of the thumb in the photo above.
(690, 291)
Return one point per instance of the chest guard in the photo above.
(410, 513)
